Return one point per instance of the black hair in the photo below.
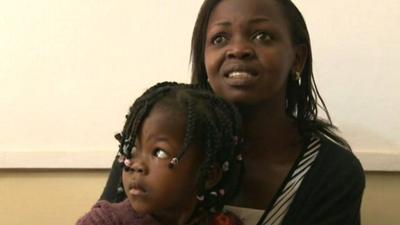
(212, 124)
(302, 98)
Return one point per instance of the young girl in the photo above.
(178, 150)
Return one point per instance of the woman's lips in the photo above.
(241, 75)
(241, 78)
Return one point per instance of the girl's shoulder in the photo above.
(122, 213)
(226, 218)
(102, 213)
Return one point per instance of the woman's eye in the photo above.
(160, 153)
(219, 39)
(262, 36)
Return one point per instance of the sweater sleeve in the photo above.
(332, 193)
(100, 214)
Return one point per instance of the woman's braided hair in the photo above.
(213, 124)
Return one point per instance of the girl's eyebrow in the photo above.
(158, 137)
(164, 139)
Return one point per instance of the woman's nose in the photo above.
(240, 49)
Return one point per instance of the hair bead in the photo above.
(174, 162)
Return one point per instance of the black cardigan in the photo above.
(332, 190)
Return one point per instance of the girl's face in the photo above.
(152, 187)
(248, 51)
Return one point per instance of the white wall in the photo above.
(70, 69)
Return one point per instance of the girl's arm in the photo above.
(100, 214)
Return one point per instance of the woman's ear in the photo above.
(214, 176)
(300, 59)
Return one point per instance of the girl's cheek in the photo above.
(125, 177)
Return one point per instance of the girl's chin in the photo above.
(140, 209)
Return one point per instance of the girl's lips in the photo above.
(136, 189)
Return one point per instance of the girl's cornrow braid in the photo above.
(214, 200)
(131, 119)
(208, 161)
(140, 108)
(190, 127)
(226, 123)
(135, 127)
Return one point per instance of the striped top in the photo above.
(281, 205)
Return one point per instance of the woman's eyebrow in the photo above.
(222, 23)
(259, 20)
(225, 23)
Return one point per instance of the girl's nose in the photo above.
(138, 165)
(240, 49)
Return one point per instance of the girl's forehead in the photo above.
(169, 105)
(169, 110)
(163, 121)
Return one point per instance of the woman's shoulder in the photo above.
(340, 155)
(331, 192)
(338, 162)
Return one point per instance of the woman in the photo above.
(257, 54)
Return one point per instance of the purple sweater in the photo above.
(105, 213)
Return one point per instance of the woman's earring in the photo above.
(298, 77)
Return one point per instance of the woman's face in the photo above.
(248, 52)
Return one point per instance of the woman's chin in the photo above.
(243, 100)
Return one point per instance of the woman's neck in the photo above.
(267, 126)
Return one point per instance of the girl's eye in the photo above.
(262, 36)
(219, 39)
(160, 153)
